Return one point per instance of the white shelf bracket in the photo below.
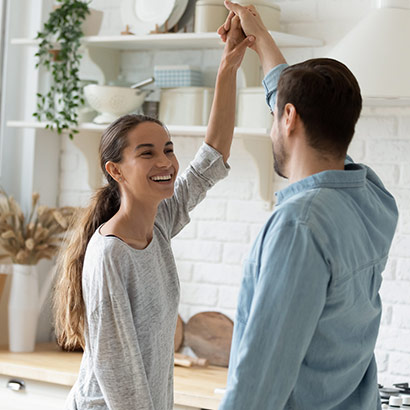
(107, 61)
(261, 152)
(88, 143)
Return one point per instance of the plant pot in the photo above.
(92, 23)
(23, 308)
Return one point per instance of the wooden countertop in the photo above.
(192, 386)
(47, 364)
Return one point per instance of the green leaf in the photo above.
(65, 24)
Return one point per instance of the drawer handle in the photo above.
(16, 385)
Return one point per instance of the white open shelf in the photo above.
(175, 130)
(175, 41)
(255, 140)
(104, 51)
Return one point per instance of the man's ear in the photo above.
(290, 116)
(113, 169)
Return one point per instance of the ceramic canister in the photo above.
(209, 15)
(185, 105)
(253, 111)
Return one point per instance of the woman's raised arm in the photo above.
(222, 119)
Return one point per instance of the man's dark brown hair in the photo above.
(327, 98)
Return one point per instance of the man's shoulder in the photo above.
(319, 210)
(299, 207)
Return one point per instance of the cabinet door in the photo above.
(35, 395)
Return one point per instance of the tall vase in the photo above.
(23, 308)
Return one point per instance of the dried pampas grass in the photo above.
(26, 241)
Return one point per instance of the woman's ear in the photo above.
(113, 169)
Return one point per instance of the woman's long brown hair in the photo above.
(69, 308)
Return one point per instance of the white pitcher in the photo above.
(25, 302)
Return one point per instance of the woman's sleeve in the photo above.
(116, 355)
(206, 169)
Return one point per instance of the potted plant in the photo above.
(26, 241)
(58, 52)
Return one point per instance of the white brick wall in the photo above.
(210, 251)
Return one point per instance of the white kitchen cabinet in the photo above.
(39, 395)
(49, 373)
(35, 395)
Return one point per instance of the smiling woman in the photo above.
(118, 291)
(149, 157)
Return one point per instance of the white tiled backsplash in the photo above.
(209, 252)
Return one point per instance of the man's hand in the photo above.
(251, 23)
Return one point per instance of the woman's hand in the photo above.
(236, 44)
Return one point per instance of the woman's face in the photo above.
(149, 166)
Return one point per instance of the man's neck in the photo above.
(310, 163)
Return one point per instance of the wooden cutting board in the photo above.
(179, 334)
(209, 335)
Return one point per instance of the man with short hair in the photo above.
(309, 309)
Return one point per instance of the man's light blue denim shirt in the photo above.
(309, 307)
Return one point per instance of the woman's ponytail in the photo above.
(68, 299)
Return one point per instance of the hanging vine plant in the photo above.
(58, 53)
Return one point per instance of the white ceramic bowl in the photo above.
(112, 102)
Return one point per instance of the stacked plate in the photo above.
(142, 16)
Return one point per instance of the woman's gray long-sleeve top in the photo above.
(131, 298)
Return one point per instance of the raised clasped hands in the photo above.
(249, 19)
(236, 41)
